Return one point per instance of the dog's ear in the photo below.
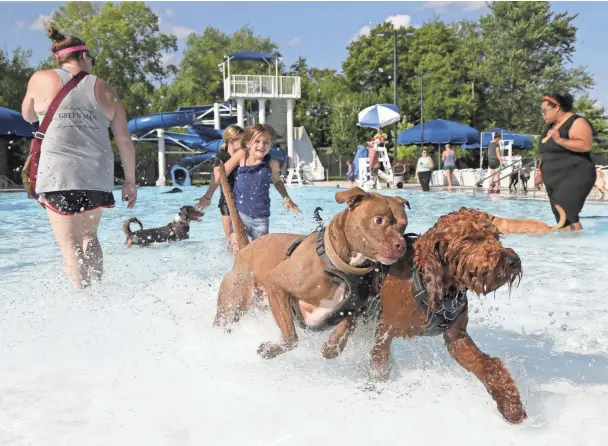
(403, 202)
(351, 196)
(428, 260)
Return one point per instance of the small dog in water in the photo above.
(178, 229)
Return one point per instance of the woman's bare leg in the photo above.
(449, 179)
(68, 235)
(93, 255)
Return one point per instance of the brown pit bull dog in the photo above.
(527, 225)
(323, 280)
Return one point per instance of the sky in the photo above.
(318, 31)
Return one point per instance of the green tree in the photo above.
(525, 49)
(313, 110)
(595, 113)
(199, 80)
(129, 47)
(14, 72)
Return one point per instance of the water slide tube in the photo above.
(197, 137)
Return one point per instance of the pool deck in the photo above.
(534, 194)
(531, 194)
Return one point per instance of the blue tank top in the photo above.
(252, 189)
(450, 160)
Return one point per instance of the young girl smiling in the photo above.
(255, 171)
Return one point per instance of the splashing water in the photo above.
(135, 360)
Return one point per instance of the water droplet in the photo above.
(550, 313)
(564, 327)
(567, 313)
(380, 70)
(390, 77)
(553, 322)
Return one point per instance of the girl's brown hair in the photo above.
(231, 132)
(61, 42)
(254, 130)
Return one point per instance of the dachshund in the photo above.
(178, 229)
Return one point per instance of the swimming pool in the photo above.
(135, 361)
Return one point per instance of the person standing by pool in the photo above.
(494, 163)
(233, 137)
(566, 167)
(374, 163)
(76, 169)
(423, 170)
(449, 163)
(350, 173)
(254, 172)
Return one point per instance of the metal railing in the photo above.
(254, 86)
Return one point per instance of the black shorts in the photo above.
(224, 208)
(70, 202)
(493, 164)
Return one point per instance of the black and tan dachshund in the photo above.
(178, 229)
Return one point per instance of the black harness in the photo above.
(360, 299)
(454, 302)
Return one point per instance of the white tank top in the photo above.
(76, 152)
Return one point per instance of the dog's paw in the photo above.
(269, 350)
(331, 350)
(512, 411)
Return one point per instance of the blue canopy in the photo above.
(252, 55)
(362, 152)
(439, 131)
(12, 123)
(519, 141)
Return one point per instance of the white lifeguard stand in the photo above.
(393, 179)
(261, 88)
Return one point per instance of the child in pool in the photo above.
(255, 170)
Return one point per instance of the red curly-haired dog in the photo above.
(425, 293)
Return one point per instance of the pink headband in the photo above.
(71, 49)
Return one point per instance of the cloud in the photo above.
(169, 59)
(364, 31)
(39, 23)
(398, 21)
(294, 41)
(179, 31)
(169, 12)
(467, 6)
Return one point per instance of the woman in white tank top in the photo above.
(76, 169)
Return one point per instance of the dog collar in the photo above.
(326, 249)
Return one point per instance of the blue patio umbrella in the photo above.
(12, 123)
(520, 141)
(439, 131)
(378, 116)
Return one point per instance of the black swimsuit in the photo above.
(568, 176)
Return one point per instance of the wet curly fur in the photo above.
(462, 251)
(465, 247)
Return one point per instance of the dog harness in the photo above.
(454, 303)
(361, 298)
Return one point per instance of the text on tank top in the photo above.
(76, 152)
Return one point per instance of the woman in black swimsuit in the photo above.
(566, 166)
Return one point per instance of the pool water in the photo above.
(135, 360)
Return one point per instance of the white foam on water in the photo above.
(135, 360)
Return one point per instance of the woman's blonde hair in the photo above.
(254, 130)
(231, 132)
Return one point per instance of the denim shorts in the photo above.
(254, 227)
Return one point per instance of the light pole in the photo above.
(394, 34)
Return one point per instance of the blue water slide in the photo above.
(145, 123)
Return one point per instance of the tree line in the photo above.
(485, 73)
